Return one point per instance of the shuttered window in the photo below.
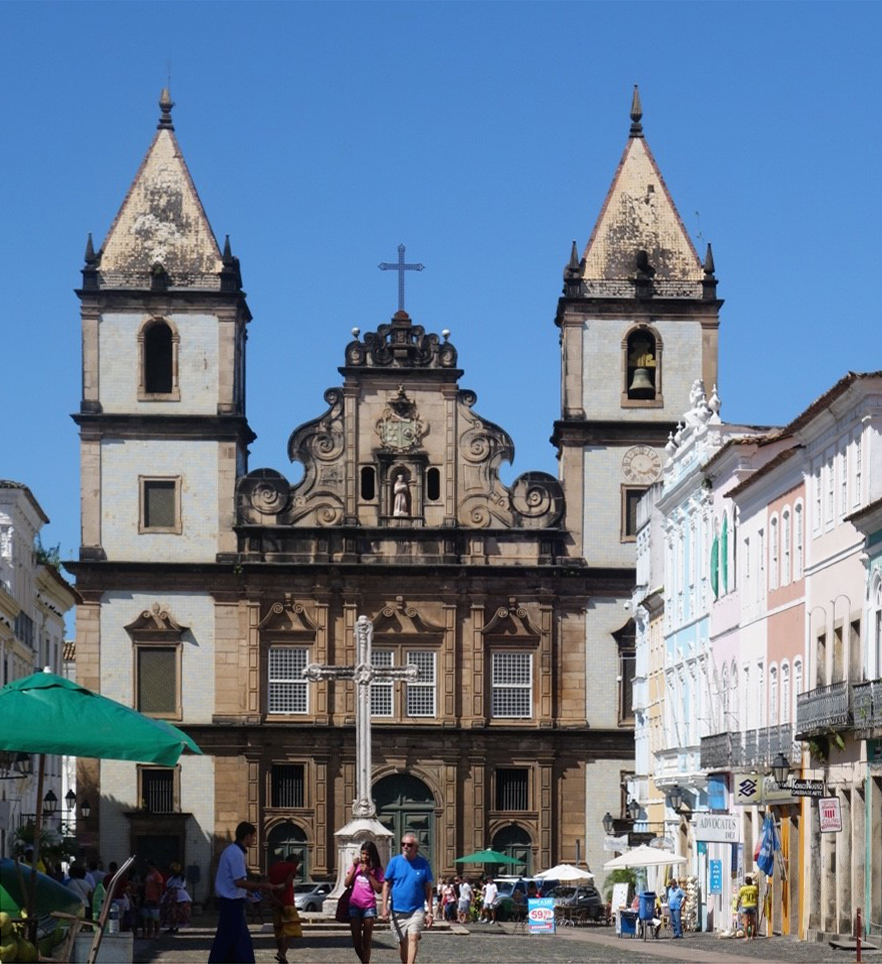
(157, 680)
(512, 789)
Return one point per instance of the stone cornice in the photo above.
(585, 432)
(97, 425)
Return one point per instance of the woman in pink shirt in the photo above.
(365, 877)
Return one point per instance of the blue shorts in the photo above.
(361, 913)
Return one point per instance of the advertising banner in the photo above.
(831, 815)
(716, 877)
(716, 827)
(540, 915)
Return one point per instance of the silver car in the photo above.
(310, 896)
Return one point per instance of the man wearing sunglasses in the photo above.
(408, 882)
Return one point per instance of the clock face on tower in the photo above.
(641, 465)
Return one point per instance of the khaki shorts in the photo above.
(404, 924)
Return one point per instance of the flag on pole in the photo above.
(768, 846)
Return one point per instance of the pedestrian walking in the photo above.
(286, 920)
(676, 902)
(491, 892)
(366, 878)
(407, 890)
(464, 907)
(154, 885)
(232, 942)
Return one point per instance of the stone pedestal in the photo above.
(349, 838)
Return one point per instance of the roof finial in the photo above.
(709, 267)
(90, 258)
(228, 251)
(165, 105)
(636, 114)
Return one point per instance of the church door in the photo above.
(514, 842)
(287, 838)
(404, 804)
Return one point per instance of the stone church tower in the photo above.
(638, 319)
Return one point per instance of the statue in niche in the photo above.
(401, 493)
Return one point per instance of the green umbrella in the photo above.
(50, 894)
(44, 713)
(488, 857)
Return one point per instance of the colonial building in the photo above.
(33, 600)
(207, 588)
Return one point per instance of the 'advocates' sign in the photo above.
(716, 827)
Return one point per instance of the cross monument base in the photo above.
(349, 838)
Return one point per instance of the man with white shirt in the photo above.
(232, 942)
(491, 892)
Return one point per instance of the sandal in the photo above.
(281, 960)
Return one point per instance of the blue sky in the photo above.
(482, 135)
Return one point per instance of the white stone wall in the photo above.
(602, 369)
(193, 610)
(604, 617)
(196, 462)
(119, 364)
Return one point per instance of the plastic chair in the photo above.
(99, 926)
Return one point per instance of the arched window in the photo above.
(785, 547)
(797, 541)
(785, 693)
(159, 361)
(641, 366)
(773, 553)
(773, 695)
(433, 484)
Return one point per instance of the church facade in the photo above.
(207, 588)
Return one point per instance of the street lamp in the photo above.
(85, 809)
(608, 822)
(781, 769)
(632, 809)
(675, 794)
(70, 800)
(50, 804)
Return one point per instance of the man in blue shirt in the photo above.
(409, 883)
(232, 942)
(676, 900)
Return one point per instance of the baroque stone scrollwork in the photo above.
(265, 497)
(400, 345)
(155, 622)
(535, 499)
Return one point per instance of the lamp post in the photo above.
(675, 795)
(781, 769)
(633, 810)
(50, 804)
(85, 809)
(607, 822)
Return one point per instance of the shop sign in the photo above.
(616, 844)
(540, 915)
(716, 827)
(774, 794)
(808, 788)
(831, 815)
(716, 877)
(748, 789)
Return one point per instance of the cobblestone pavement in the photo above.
(498, 945)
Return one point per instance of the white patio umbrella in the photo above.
(565, 873)
(644, 856)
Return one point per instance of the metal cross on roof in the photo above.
(400, 267)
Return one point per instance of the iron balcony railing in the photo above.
(866, 707)
(748, 749)
(823, 709)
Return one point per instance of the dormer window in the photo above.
(158, 361)
(641, 368)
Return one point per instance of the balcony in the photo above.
(748, 750)
(866, 708)
(823, 709)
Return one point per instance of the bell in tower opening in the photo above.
(641, 365)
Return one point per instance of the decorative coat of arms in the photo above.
(400, 427)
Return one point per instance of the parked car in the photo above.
(309, 896)
(584, 897)
(507, 887)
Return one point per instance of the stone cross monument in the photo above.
(364, 823)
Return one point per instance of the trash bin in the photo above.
(628, 922)
(647, 905)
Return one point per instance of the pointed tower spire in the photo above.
(709, 260)
(89, 256)
(228, 251)
(636, 114)
(573, 273)
(165, 106)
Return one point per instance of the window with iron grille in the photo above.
(159, 504)
(287, 691)
(157, 680)
(286, 789)
(512, 684)
(382, 692)
(421, 695)
(158, 790)
(512, 788)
